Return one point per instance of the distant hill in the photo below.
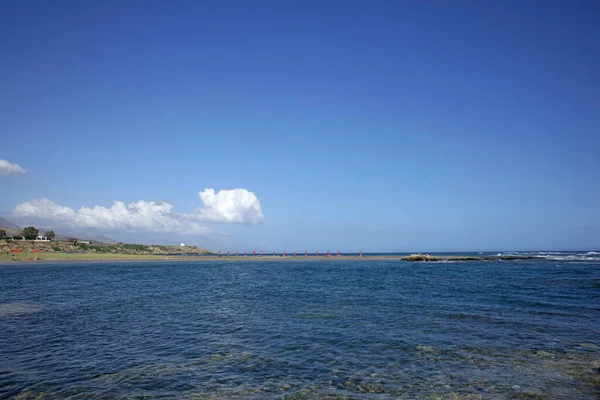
(102, 239)
(83, 235)
(10, 227)
(6, 224)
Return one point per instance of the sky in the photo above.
(305, 125)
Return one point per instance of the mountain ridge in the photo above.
(6, 224)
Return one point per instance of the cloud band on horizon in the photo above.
(224, 206)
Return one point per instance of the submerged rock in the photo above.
(13, 309)
(428, 349)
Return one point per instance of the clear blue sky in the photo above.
(375, 126)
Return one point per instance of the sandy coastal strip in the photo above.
(90, 257)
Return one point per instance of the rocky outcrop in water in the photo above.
(427, 257)
(420, 257)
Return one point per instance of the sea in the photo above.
(310, 329)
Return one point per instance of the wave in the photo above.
(571, 258)
(557, 255)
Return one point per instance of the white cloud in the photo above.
(7, 168)
(141, 215)
(231, 206)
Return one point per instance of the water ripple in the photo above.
(368, 330)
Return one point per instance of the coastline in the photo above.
(32, 258)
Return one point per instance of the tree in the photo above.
(2, 233)
(50, 234)
(29, 233)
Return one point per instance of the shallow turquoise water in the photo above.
(306, 329)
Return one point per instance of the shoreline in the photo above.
(33, 258)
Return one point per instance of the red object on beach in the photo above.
(15, 251)
(244, 254)
(294, 254)
(236, 253)
(219, 252)
(36, 251)
(316, 253)
(254, 252)
(227, 253)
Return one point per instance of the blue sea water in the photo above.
(297, 330)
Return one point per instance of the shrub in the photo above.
(136, 247)
(30, 232)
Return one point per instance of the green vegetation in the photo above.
(26, 249)
(2, 233)
(50, 234)
(115, 248)
(29, 232)
(136, 247)
(75, 256)
(93, 248)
